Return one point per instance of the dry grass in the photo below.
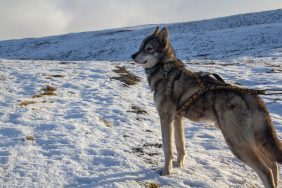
(29, 138)
(55, 76)
(156, 145)
(147, 184)
(47, 91)
(26, 103)
(106, 122)
(125, 76)
(152, 185)
(2, 78)
(120, 70)
(137, 110)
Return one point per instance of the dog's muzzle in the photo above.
(133, 56)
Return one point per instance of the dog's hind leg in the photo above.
(179, 140)
(272, 165)
(264, 172)
(251, 158)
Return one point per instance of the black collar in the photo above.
(153, 69)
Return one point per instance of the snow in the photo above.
(87, 134)
(227, 37)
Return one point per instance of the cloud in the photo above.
(96, 14)
(29, 18)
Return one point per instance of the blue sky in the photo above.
(34, 18)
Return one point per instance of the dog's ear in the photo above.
(156, 31)
(164, 36)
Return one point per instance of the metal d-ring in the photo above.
(164, 75)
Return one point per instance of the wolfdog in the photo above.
(242, 117)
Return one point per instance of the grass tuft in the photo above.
(26, 103)
(29, 138)
(125, 76)
(47, 91)
(152, 185)
(137, 110)
(107, 123)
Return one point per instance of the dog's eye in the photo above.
(149, 48)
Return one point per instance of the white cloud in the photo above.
(27, 18)
(97, 14)
(30, 18)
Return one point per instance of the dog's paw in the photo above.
(165, 172)
(180, 161)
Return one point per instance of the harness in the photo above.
(206, 84)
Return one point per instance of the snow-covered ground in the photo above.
(94, 131)
(87, 135)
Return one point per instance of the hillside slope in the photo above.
(251, 34)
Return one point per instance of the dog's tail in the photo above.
(270, 143)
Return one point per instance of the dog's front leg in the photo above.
(167, 131)
(179, 140)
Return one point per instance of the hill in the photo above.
(251, 34)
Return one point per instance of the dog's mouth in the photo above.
(141, 63)
(145, 62)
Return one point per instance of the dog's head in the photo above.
(154, 49)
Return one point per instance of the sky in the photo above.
(36, 18)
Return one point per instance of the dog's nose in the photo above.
(133, 56)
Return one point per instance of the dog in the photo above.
(242, 117)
